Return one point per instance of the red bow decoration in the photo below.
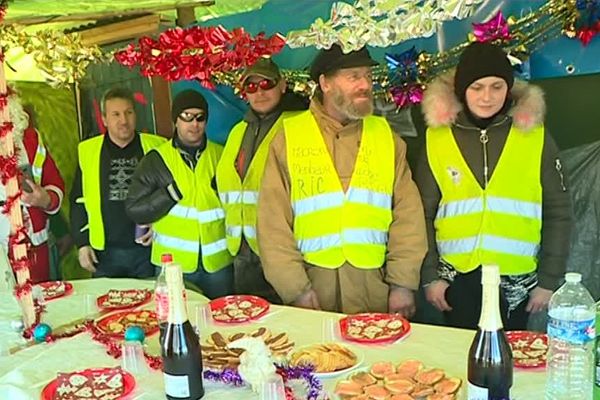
(586, 34)
(198, 52)
(493, 29)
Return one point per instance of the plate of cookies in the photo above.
(529, 349)
(123, 299)
(410, 380)
(238, 308)
(116, 324)
(54, 289)
(217, 356)
(328, 359)
(93, 383)
(374, 328)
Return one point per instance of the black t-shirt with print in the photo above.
(117, 167)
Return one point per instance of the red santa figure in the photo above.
(43, 190)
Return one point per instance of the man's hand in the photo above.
(87, 258)
(38, 197)
(538, 300)
(146, 238)
(435, 293)
(401, 301)
(307, 299)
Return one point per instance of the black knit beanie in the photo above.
(188, 99)
(480, 60)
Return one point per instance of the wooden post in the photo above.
(185, 16)
(7, 149)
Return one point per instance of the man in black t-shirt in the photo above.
(104, 234)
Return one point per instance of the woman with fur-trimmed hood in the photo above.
(493, 192)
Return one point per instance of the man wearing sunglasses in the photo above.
(174, 190)
(241, 168)
(340, 221)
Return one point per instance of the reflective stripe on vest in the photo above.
(196, 224)
(37, 166)
(332, 227)
(239, 198)
(89, 152)
(526, 209)
(331, 200)
(500, 224)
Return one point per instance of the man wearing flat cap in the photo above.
(174, 190)
(241, 168)
(340, 221)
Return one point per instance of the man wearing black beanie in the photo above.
(493, 191)
(174, 190)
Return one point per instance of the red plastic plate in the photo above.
(116, 324)
(529, 348)
(374, 328)
(55, 289)
(236, 309)
(142, 296)
(49, 390)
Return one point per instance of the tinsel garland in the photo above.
(198, 52)
(380, 23)
(314, 386)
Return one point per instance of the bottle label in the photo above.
(177, 385)
(161, 299)
(475, 392)
(575, 332)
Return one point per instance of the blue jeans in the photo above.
(213, 285)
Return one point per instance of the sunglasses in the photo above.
(189, 117)
(265, 84)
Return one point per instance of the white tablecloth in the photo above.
(24, 374)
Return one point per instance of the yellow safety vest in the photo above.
(240, 198)
(197, 221)
(330, 226)
(89, 161)
(500, 224)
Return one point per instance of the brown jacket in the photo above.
(346, 289)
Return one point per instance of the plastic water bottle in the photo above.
(571, 334)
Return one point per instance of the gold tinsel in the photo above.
(61, 57)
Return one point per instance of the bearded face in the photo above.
(350, 92)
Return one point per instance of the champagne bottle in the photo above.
(490, 370)
(180, 348)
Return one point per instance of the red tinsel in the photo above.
(3, 100)
(6, 127)
(586, 34)
(10, 202)
(20, 264)
(198, 52)
(113, 346)
(8, 168)
(3, 6)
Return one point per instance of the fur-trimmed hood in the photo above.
(441, 106)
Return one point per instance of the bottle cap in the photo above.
(573, 277)
(490, 275)
(166, 258)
